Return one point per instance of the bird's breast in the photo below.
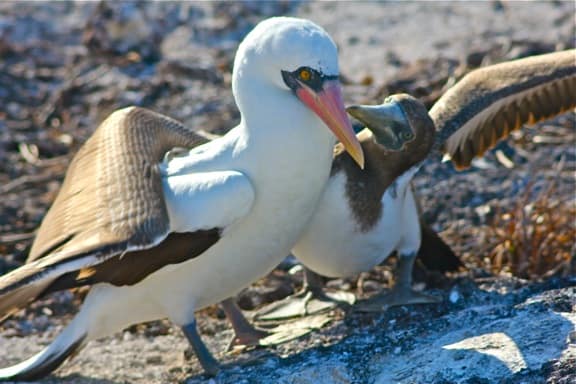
(334, 243)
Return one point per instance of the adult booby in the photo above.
(364, 215)
(160, 237)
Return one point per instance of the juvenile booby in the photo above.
(482, 108)
(161, 236)
(365, 215)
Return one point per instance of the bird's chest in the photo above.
(337, 244)
(390, 226)
(254, 245)
(285, 208)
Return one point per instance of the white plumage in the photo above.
(258, 185)
(345, 250)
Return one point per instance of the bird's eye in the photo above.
(305, 74)
(407, 135)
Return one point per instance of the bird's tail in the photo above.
(17, 289)
(22, 286)
(434, 253)
(66, 344)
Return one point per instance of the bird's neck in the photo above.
(277, 120)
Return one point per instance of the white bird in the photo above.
(162, 238)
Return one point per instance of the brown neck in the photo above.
(365, 188)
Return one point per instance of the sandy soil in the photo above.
(54, 90)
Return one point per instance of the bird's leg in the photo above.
(244, 332)
(310, 300)
(401, 293)
(207, 361)
(314, 283)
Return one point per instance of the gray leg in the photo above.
(207, 361)
(314, 283)
(310, 300)
(401, 293)
(404, 272)
(244, 332)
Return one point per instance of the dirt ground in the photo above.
(64, 66)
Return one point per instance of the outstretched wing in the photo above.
(112, 192)
(117, 220)
(488, 103)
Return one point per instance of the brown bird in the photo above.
(365, 215)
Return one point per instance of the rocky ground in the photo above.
(509, 317)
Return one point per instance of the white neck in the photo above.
(280, 127)
(285, 138)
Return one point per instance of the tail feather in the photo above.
(20, 287)
(434, 253)
(69, 342)
(17, 289)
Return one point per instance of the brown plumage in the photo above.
(364, 188)
(111, 208)
(98, 186)
(482, 108)
(489, 103)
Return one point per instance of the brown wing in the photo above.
(112, 192)
(131, 267)
(111, 264)
(109, 221)
(488, 103)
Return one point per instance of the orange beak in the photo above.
(328, 104)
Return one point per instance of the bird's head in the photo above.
(297, 56)
(400, 124)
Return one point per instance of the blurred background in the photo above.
(64, 66)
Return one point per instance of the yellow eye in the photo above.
(305, 75)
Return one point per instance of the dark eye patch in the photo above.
(310, 77)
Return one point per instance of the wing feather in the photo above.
(109, 222)
(488, 103)
(112, 192)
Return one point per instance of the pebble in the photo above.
(572, 337)
(454, 296)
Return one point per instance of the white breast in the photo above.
(333, 244)
(285, 197)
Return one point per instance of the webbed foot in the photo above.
(396, 296)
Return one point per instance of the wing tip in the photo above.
(43, 363)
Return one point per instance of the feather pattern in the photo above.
(112, 192)
(489, 103)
